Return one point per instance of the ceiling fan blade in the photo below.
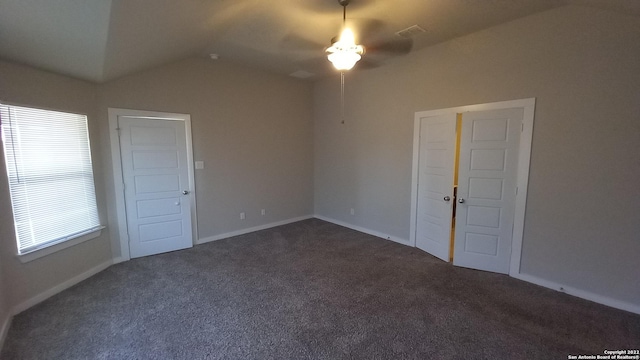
(365, 64)
(400, 46)
(365, 29)
(298, 43)
(318, 65)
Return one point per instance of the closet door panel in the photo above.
(435, 184)
(487, 177)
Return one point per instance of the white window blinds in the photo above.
(48, 163)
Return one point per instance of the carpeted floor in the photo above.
(311, 290)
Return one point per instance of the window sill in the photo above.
(38, 253)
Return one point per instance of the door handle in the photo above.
(461, 200)
(185, 192)
(447, 198)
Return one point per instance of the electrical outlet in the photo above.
(353, 211)
(242, 215)
(262, 212)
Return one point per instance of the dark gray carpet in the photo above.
(311, 290)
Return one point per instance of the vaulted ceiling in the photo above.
(99, 40)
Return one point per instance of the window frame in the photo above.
(64, 242)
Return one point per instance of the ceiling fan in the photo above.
(344, 53)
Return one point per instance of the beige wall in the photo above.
(581, 225)
(20, 85)
(252, 129)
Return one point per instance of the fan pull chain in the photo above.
(342, 96)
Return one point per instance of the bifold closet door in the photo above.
(487, 178)
(435, 184)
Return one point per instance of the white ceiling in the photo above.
(99, 40)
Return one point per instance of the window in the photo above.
(48, 163)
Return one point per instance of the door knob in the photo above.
(461, 200)
(447, 198)
(185, 192)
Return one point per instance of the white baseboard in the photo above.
(4, 330)
(365, 230)
(600, 299)
(587, 295)
(118, 260)
(252, 229)
(59, 288)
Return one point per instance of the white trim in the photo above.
(509, 104)
(414, 181)
(364, 230)
(524, 156)
(524, 159)
(122, 234)
(59, 288)
(52, 248)
(251, 229)
(583, 294)
(118, 260)
(4, 330)
(30, 105)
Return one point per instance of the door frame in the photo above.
(524, 158)
(121, 237)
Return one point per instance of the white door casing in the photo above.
(435, 184)
(522, 177)
(153, 165)
(487, 179)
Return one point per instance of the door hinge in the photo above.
(118, 130)
(516, 190)
(521, 127)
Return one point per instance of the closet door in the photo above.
(487, 189)
(435, 184)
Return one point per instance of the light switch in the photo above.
(199, 165)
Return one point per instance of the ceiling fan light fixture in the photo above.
(344, 60)
(344, 53)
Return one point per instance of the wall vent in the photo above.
(411, 31)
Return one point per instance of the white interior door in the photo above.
(435, 184)
(487, 178)
(156, 178)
